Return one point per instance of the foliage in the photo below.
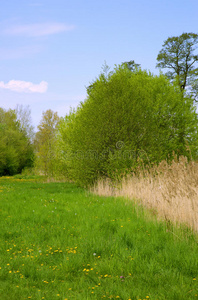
(23, 115)
(45, 143)
(131, 65)
(64, 145)
(128, 117)
(178, 56)
(16, 150)
(60, 242)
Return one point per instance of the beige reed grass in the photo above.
(170, 190)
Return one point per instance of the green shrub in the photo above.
(128, 118)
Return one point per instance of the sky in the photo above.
(51, 50)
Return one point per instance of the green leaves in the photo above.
(128, 118)
(16, 150)
(45, 143)
(178, 56)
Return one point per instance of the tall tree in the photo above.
(23, 115)
(177, 55)
(45, 141)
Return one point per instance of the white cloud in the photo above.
(36, 30)
(24, 86)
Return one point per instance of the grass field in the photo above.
(58, 241)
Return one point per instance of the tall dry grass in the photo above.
(169, 190)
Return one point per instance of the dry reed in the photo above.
(170, 190)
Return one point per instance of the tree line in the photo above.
(130, 117)
(16, 136)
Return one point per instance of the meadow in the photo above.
(59, 241)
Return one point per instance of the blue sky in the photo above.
(50, 50)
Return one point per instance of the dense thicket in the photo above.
(16, 150)
(128, 117)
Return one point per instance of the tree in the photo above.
(127, 116)
(45, 142)
(23, 115)
(16, 150)
(131, 65)
(64, 148)
(178, 56)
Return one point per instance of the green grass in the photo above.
(57, 241)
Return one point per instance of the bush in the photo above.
(128, 117)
